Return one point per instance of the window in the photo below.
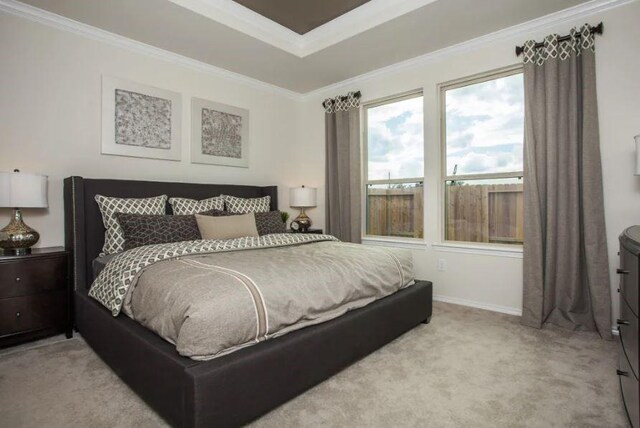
(394, 167)
(483, 134)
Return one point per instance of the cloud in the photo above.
(396, 140)
(485, 126)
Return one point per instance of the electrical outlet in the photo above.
(442, 265)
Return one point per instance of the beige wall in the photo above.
(50, 117)
(487, 280)
(50, 123)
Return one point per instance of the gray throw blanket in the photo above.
(210, 298)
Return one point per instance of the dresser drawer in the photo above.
(628, 273)
(30, 313)
(630, 389)
(628, 326)
(26, 277)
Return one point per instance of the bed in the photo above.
(236, 388)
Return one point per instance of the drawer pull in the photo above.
(17, 314)
(622, 373)
(622, 271)
(623, 322)
(18, 279)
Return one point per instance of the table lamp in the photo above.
(302, 197)
(20, 190)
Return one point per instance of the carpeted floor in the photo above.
(467, 368)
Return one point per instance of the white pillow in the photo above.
(247, 205)
(228, 227)
(184, 206)
(109, 207)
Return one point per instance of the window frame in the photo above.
(444, 177)
(376, 239)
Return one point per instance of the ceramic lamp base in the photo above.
(17, 237)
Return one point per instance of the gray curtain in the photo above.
(566, 268)
(343, 181)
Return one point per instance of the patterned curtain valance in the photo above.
(580, 39)
(343, 103)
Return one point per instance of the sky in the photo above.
(395, 140)
(484, 126)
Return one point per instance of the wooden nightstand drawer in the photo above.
(30, 313)
(26, 277)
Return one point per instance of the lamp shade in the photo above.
(23, 190)
(302, 197)
(637, 138)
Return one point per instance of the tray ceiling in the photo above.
(301, 16)
(223, 34)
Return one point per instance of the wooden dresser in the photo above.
(628, 359)
(35, 293)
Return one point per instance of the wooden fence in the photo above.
(490, 213)
(395, 212)
(484, 213)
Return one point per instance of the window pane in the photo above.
(395, 138)
(485, 126)
(487, 211)
(395, 210)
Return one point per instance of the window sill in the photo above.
(411, 244)
(485, 250)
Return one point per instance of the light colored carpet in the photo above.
(467, 368)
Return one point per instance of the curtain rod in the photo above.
(594, 30)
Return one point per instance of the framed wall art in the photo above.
(140, 120)
(219, 134)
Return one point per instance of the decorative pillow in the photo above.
(109, 207)
(247, 205)
(141, 229)
(184, 206)
(236, 226)
(270, 222)
(218, 213)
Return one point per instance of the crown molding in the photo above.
(557, 18)
(62, 23)
(356, 21)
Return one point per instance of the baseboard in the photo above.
(479, 305)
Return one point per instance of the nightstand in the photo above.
(311, 230)
(35, 296)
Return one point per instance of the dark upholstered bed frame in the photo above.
(239, 387)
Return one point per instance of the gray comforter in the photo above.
(211, 303)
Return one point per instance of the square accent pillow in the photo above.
(270, 222)
(227, 227)
(142, 229)
(109, 207)
(185, 206)
(247, 205)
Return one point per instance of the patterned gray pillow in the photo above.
(185, 206)
(109, 207)
(247, 205)
(269, 222)
(140, 229)
(217, 213)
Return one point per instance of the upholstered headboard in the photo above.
(84, 230)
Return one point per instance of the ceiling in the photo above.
(377, 34)
(301, 16)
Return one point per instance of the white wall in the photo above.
(495, 281)
(50, 117)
